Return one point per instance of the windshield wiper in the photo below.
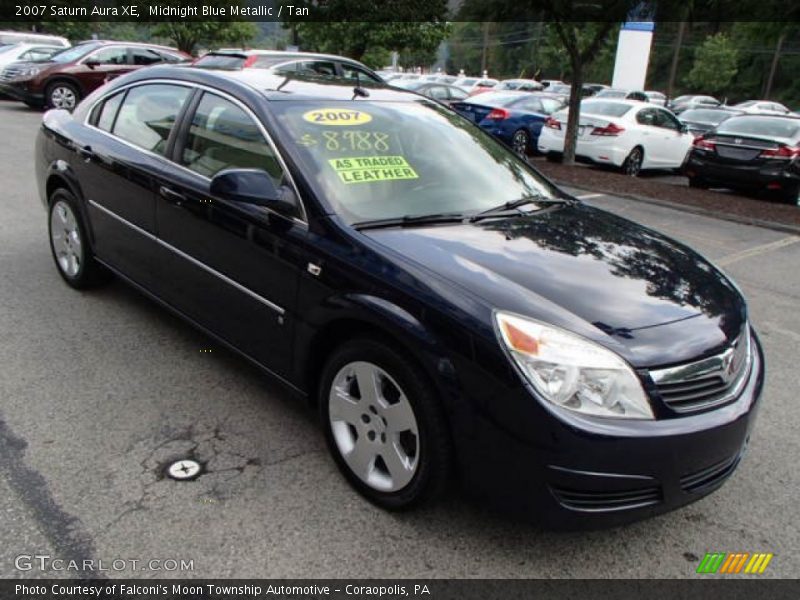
(410, 220)
(504, 209)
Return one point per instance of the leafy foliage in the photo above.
(715, 64)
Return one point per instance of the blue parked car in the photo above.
(516, 118)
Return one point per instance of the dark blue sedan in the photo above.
(516, 118)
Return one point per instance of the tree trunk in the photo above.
(673, 69)
(774, 66)
(485, 45)
(573, 116)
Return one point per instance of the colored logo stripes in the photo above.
(734, 562)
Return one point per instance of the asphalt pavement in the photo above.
(99, 390)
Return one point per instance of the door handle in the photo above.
(171, 195)
(86, 153)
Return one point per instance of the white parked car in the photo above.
(624, 133)
(470, 84)
(25, 52)
(656, 98)
(761, 107)
(29, 37)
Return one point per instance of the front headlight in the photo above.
(28, 73)
(572, 372)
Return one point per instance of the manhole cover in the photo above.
(184, 469)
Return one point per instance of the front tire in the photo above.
(790, 196)
(64, 95)
(69, 243)
(633, 163)
(384, 425)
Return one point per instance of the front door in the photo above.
(232, 267)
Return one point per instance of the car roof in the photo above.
(277, 54)
(269, 86)
(123, 43)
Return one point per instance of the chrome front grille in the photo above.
(705, 479)
(709, 382)
(9, 73)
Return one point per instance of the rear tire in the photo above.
(69, 243)
(698, 182)
(790, 196)
(521, 142)
(633, 163)
(384, 425)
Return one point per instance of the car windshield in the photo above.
(705, 116)
(74, 53)
(559, 89)
(611, 94)
(409, 84)
(389, 160)
(605, 109)
(760, 126)
(468, 81)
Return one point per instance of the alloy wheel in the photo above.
(63, 97)
(66, 238)
(520, 142)
(374, 426)
(633, 164)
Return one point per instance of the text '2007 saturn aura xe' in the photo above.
(448, 310)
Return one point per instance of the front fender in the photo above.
(346, 316)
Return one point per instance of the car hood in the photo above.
(649, 298)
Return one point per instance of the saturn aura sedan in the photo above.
(447, 312)
(628, 134)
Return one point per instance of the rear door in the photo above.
(652, 137)
(232, 267)
(118, 164)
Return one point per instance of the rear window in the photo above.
(705, 116)
(605, 109)
(760, 126)
(220, 61)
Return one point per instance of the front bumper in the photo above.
(572, 475)
(23, 91)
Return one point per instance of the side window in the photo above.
(350, 71)
(646, 117)
(437, 92)
(457, 93)
(666, 120)
(145, 56)
(531, 104)
(110, 56)
(223, 136)
(106, 112)
(148, 114)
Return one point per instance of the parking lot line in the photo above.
(755, 251)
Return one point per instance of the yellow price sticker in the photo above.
(337, 116)
(369, 169)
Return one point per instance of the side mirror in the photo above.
(92, 63)
(253, 186)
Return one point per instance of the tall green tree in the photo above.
(582, 28)
(358, 28)
(715, 64)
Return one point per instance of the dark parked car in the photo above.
(750, 152)
(514, 117)
(702, 120)
(445, 307)
(447, 94)
(288, 63)
(69, 75)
